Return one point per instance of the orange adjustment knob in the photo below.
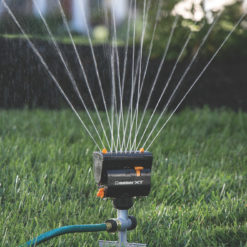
(104, 151)
(101, 193)
(142, 150)
(138, 170)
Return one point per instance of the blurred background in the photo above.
(22, 78)
(96, 12)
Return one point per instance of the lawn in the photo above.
(199, 181)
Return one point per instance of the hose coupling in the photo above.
(114, 225)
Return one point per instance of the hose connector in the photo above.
(114, 225)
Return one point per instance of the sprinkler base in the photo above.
(103, 243)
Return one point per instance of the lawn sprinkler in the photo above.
(120, 176)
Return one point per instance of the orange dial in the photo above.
(101, 193)
(138, 170)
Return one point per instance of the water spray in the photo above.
(120, 176)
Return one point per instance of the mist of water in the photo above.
(123, 129)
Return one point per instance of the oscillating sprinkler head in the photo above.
(122, 176)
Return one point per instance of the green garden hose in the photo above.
(64, 230)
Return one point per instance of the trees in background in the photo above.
(198, 15)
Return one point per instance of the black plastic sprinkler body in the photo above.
(122, 176)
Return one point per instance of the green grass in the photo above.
(199, 181)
